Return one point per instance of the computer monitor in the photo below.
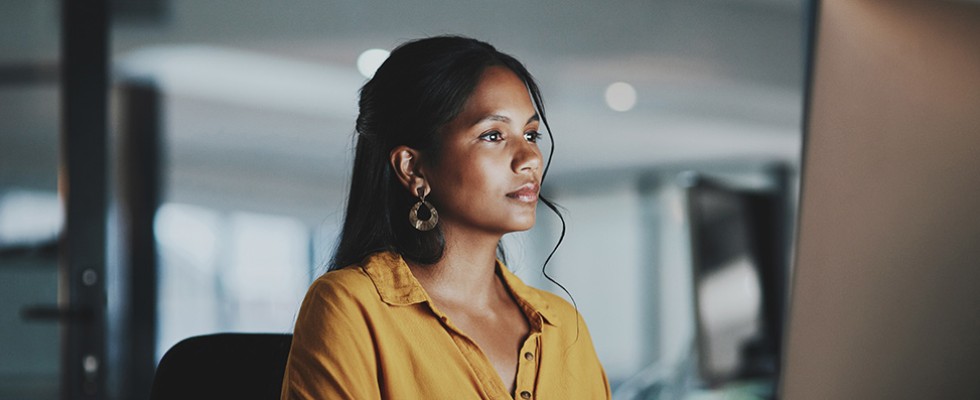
(739, 251)
(885, 302)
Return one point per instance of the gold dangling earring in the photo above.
(428, 218)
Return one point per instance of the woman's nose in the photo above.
(527, 157)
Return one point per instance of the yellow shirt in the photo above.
(370, 331)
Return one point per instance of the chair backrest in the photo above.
(223, 366)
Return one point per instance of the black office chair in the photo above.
(223, 366)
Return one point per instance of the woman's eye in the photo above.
(532, 136)
(491, 136)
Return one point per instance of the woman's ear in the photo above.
(407, 165)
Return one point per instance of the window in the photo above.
(228, 272)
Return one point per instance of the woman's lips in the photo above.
(527, 193)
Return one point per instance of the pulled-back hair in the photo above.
(422, 86)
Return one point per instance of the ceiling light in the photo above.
(370, 60)
(621, 96)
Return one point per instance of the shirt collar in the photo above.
(397, 286)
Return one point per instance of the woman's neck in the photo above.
(466, 273)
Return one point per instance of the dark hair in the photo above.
(421, 87)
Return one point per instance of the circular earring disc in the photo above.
(426, 224)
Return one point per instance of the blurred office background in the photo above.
(677, 129)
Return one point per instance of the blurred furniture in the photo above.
(223, 366)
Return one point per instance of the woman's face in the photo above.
(488, 173)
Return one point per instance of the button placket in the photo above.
(527, 370)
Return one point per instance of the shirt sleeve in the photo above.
(332, 354)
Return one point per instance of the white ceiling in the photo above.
(261, 96)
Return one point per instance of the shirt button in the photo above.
(528, 356)
(525, 395)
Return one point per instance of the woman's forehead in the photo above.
(500, 96)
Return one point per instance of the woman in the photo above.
(416, 304)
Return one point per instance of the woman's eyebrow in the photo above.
(504, 119)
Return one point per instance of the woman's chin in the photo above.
(523, 225)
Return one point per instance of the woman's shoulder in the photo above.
(348, 283)
(370, 280)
